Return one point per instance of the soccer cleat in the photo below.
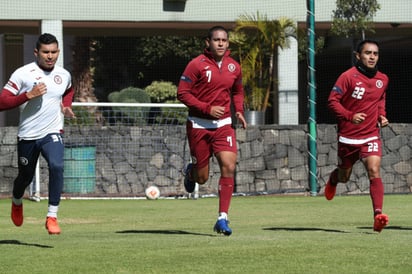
(188, 183)
(221, 226)
(381, 220)
(52, 226)
(330, 190)
(17, 214)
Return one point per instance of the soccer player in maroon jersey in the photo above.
(208, 86)
(358, 101)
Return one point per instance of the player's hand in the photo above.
(242, 119)
(358, 118)
(67, 111)
(37, 90)
(217, 111)
(383, 122)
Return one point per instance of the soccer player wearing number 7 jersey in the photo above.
(358, 101)
(208, 86)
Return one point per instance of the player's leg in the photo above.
(347, 156)
(53, 152)
(197, 171)
(371, 159)
(372, 165)
(226, 155)
(227, 163)
(28, 154)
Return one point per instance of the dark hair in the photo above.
(46, 39)
(363, 42)
(215, 28)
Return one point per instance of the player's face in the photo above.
(47, 55)
(218, 44)
(369, 55)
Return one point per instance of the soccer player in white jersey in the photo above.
(44, 92)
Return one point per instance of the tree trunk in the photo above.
(273, 88)
(82, 74)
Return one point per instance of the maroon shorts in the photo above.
(348, 154)
(204, 143)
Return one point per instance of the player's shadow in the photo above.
(304, 229)
(390, 227)
(16, 242)
(166, 232)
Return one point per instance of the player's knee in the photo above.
(374, 172)
(202, 180)
(343, 178)
(228, 170)
(56, 167)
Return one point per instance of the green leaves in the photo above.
(256, 39)
(354, 17)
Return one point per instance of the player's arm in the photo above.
(341, 86)
(9, 100)
(68, 97)
(382, 120)
(67, 103)
(334, 104)
(238, 96)
(184, 90)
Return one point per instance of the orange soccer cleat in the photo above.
(330, 191)
(381, 220)
(52, 226)
(17, 214)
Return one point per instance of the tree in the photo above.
(120, 62)
(354, 17)
(82, 72)
(83, 77)
(130, 115)
(257, 39)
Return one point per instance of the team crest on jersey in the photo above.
(58, 79)
(231, 67)
(379, 84)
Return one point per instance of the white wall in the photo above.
(195, 10)
(288, 84)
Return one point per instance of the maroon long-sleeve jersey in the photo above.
(204, 84)
(353, 93)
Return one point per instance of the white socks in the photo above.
(222, 215)
(52, 211)
(17, 201)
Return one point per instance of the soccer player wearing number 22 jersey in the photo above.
(358, 101)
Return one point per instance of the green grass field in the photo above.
(271, 234)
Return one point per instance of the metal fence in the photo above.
(111, 154)
(118, 149)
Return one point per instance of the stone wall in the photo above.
(272, 159)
